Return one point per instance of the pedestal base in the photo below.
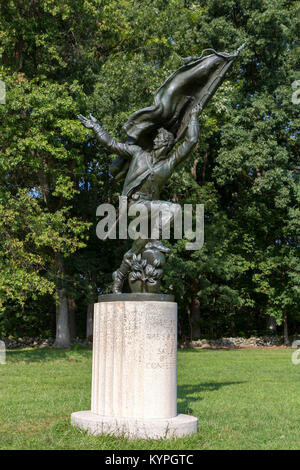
(135, 428)
(134, 377)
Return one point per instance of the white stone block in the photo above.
(134, 378)
(134, 359)
(133, 428)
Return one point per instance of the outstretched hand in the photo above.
(88, 123)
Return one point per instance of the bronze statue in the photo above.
(146, 175)
(147, 158)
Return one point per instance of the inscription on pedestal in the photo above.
(134, 359)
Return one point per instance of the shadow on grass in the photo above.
(188, 394)
(204, 350)
(45, 354)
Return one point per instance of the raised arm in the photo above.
(191, 139)
(104, 138)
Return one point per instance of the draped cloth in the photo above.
(194, 82)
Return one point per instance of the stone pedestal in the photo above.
(134, 384)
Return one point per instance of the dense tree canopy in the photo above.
(61, 58)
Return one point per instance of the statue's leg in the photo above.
(165, 214)
(160, 221)
(120, 274)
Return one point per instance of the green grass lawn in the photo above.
(244, 399)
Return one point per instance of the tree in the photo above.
(108, 58)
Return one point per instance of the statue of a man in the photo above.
(146, 158)
(146, 175)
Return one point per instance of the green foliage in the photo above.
(107, 57)
(250, 260)
(38, 170)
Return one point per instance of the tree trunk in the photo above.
(195, 318)
(195, 310)
(204, 168)
(89, 321)
(232, 328)
(271, 324)
(72, 318)
(285, 330)
(194, 169)
(63, 338)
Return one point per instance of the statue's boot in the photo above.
(118, 279)
(120, 274)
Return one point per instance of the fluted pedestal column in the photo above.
(134, 386)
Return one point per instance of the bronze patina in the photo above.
(147, 159)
